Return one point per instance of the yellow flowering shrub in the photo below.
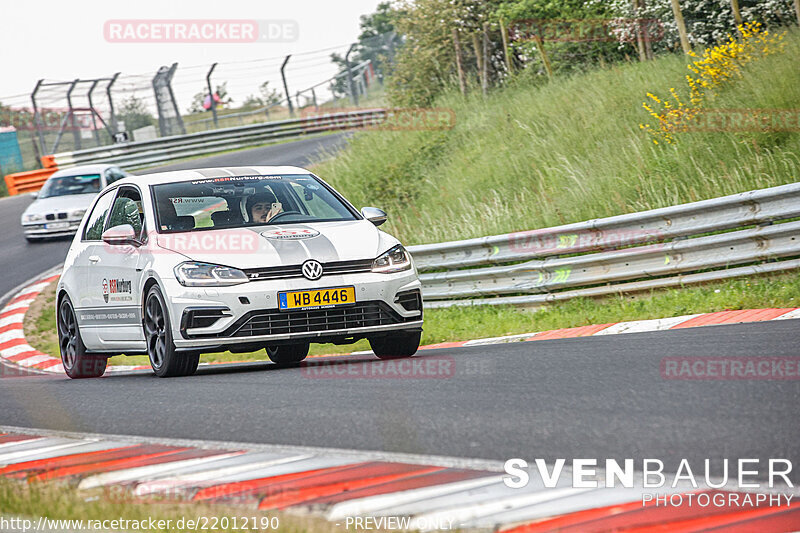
(718, 65)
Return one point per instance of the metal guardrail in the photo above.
(140, 154)
(638, 251)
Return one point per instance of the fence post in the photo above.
(485, 61)
(91, 108)
(639, 37)
(509, 62)
(286, 86)
(37, 118)
(542, 52)
(462, 79)
(211, 95)
(351, 84)
(476, 44)
(737, 15)
(676, 10)
(76, 137)
(112, 116)
(797, 10)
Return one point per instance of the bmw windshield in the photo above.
(68, 185)
(240, 201)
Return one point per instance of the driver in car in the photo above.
(262, 207)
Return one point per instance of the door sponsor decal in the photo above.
(117, 290)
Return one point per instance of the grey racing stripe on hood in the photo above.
(295, 252)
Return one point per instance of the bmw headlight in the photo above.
(191, 274)
(395, 260)
(32, 218)
(78, 213)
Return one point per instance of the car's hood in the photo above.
(56, 204)
(281, 245)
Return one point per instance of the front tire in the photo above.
(288, 353)
(78, 364)
(165, 360)
(396, 346)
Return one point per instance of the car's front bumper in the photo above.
(51, 229)
(249, 314)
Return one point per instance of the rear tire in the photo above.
(78, 364)
(396, 346)
(165, 360)
(288, 353)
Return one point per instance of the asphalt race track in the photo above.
(20, 261)
(597, 397)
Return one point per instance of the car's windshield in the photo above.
(240, 201)
(66, 185)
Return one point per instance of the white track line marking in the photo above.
(787, 316)
(22, 304)
(372, 504)
(16, 318)
(460, 515)
(143, 472)
(11, 335)
(211, 473)
(36, 359)
(34, 454)
(640, 326)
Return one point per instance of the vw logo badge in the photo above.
(312, 270)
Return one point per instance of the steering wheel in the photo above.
(284, 213)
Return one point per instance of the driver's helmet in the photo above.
(262, 197)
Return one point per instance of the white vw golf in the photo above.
(177, 264)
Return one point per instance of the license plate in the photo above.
(317, 299)
(56, 225)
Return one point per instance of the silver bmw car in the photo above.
(64, 198)
(177, 264)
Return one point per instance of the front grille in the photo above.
(62, 216)
(276, 322)
(295, 271)
(50, 216)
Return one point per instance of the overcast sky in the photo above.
(60, 40)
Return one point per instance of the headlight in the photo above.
(32, 218)
(192, 274)
(395, 260)
(78, 213)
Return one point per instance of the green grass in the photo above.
(532, 157)
(60, 501)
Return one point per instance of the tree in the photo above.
(425, 65)
(377, 42)
(198, 100)
(707, 21)
(133, 112)
(268, 97)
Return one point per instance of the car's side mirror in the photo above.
(374, 215)
(120, 235)
(35, 195)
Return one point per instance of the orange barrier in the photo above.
(31, 181)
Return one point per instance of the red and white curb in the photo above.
(414, 492)
(14, 349)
